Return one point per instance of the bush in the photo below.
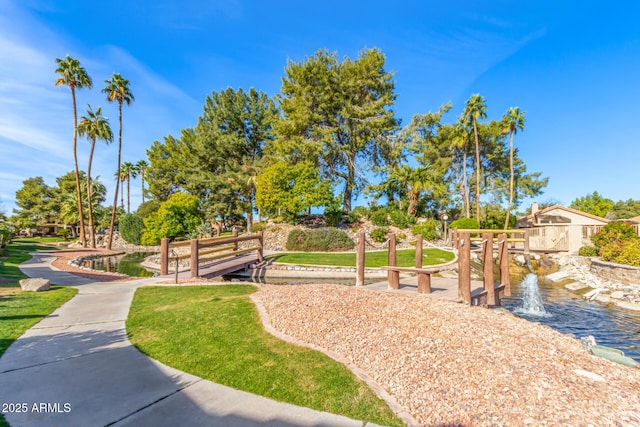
(320, 239)
(131, 228)
(614, 232)
(380, 218)
(401, 219)
(332, 218)
(361, 211)
(465, 223)
(627, 252)
(147, 208)
(588, 251)
(176, 217)
(428, 229)
(379, 234)
(258, 226)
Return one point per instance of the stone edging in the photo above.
(360, 373)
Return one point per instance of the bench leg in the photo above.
(424, 283)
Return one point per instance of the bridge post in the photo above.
(360, 259)
(194, 259)
(463, 243)
(393, 276)
(164, 257)
(527, 236)
(487, 265)
(234, 233)
(418, 250)
(503, 257)
(260, 246)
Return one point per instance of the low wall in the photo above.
(625, 274)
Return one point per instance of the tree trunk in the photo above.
(475, 132)
(128, 193)
(413, 203)
(115, 198)
(465, 188)
(142, 180)
(506, 222)
(348, 188)
(92, 234)
(83, 239)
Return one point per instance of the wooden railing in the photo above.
(475, 235)
(206, 250)
(463, 242)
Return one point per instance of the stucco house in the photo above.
(561, 229)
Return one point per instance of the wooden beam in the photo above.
(164, 257)
(194, 258)
(487, 268)
(418, 263)
(503, 257)
(392, 276)
(464, 267)
(424, 283)
(360, 259)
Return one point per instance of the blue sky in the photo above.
(573, 67)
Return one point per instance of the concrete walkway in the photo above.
(77, 368)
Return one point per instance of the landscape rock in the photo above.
(35, 284)
(617, 295)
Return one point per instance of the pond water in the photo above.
(128, 264)
(568, 313)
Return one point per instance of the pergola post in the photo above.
(463, 243)
(392, 276)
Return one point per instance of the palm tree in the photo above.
(476, 109)
(513, 120)
(141, 168)
(118, 179)
(415, 180)
(73, 75)
(95, 127)
(128, 171)
(117, 89)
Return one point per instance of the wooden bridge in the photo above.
(211, 257)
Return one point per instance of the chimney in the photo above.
(534, 208)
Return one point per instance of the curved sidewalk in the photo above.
(77, 368)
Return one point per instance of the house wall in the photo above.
(575, 218)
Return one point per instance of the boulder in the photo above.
(36, 285)
(617, 295)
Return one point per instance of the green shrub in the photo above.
(428, 229)
(614, 232)
(332, 217)
(588, 251)
(630, 253)
(361, 211)
(402, 236)
(321, 239)
(147, 208)
(379, 234)
(131, 228)
(401, 219)
(64, 233)
(258, 226)
(465, 224)
(176, 217)
(380, 218)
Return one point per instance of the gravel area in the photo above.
(452, 365)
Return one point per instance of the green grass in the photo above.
(215, 332)
(19, 310)
(404, 258)
(38, 240)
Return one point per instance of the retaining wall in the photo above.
(625, 274)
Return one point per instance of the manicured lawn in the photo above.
(215, 332)
(19, 310)
(405, 258)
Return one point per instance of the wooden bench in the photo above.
(424, 276)
(479, 295)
